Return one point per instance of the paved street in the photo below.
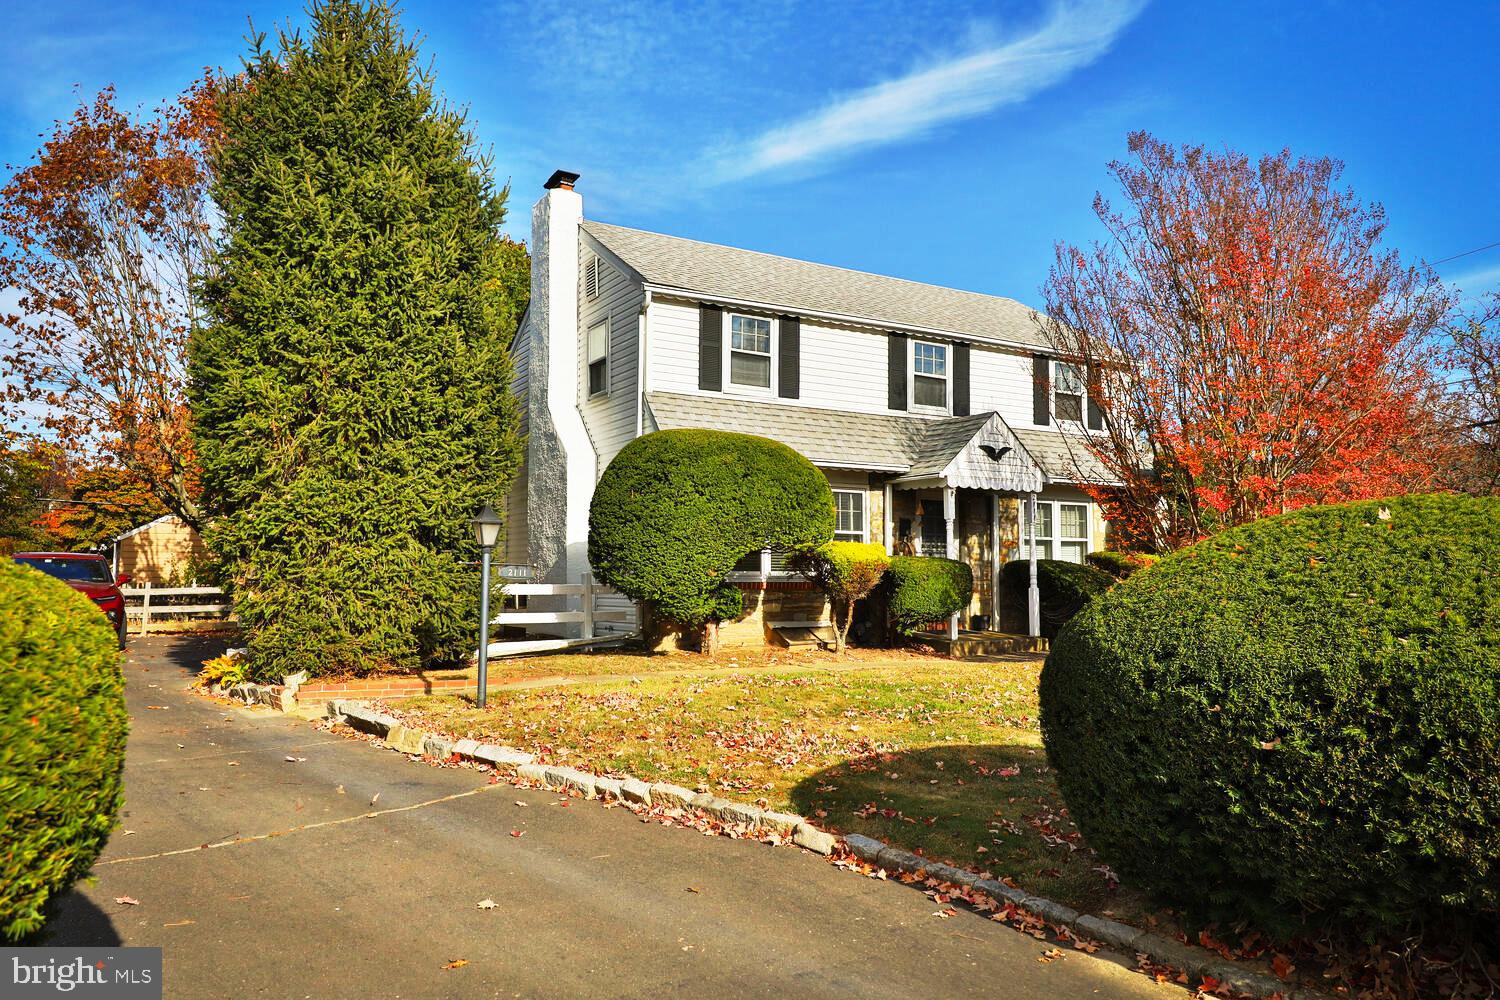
(591, 901)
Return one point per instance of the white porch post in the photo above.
(994, 559)
(950, 517)
(889, 531)
(1033, 596)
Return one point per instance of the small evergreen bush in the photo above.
(846, 572)
(921, 590)
(676, 509)
(1298, 719)
(62, 742)
(1062, 587)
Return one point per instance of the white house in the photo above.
(934, 412)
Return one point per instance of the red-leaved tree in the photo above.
(1253, 346)
(101, 239)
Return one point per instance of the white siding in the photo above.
(1001, 381)
(610, 419)
(672, 342)
(843, 367)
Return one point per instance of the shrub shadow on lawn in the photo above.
(989, 808)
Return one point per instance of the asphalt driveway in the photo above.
(361, 874)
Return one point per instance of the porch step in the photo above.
(985, 644)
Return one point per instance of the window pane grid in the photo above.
(750, 334)
(1064, 535)
(849, 514)
(930, 359)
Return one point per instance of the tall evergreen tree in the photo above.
(351, 390)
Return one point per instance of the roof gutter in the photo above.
(688, 293)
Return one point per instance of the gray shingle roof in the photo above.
(912, 446)
(718, 271)
(1063, 457)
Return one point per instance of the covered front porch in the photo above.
(966, 503)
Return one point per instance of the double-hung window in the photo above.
(599, 358)
(849, 515)
(1068, 390)
(750, 351)
(929, 375)
(1062, 530)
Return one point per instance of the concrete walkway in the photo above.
(358, 874)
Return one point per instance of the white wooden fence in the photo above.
(592, 619)
(145, 610)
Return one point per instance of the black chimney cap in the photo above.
(561, 179)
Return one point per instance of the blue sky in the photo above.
(939, 141)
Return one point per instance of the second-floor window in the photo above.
(849, 515)
(599, 359)
(929, 382)
(1068, 390)
(750, 352)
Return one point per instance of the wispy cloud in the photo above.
(1073, 35)
(1475, 283)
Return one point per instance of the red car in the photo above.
(89, 575)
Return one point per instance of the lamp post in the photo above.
(487, 533)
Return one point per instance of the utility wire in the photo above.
(1466, 253)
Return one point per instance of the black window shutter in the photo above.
(710, 348)
(1041, 390)
(789, 359)
(899, 364)
(1095, 411)
(960, 380)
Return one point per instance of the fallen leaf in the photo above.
(518, 833)
(1050, 955)
(234, 763)
(157, 708)
(457, 963)
(182, 746)
(340, 789)
(178, 923)
(1282, 966)
(127, 901)
(375, 798)
(693, 888)
(294, 760)
(1272, 745)
(487, 904)
(520, 803)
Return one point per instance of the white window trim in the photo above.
(911, 377)
(1056, 537)
(1081, 424)
(727, 352)
(588, 362)
(864, 513)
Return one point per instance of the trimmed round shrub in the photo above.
(1297, 720)
(1120, 564)
(62, 741)
(677, 509)
(923, 589)
(1063, 588)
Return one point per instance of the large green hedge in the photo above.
(349, 388)
(1298, 718)
(1063, 588)
(62, 741)
(675, 510)
(921, 590)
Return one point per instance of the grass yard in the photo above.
(931, 754)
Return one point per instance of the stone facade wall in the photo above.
(776, 601)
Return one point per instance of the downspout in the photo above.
(1033, 596)
(641, 372)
